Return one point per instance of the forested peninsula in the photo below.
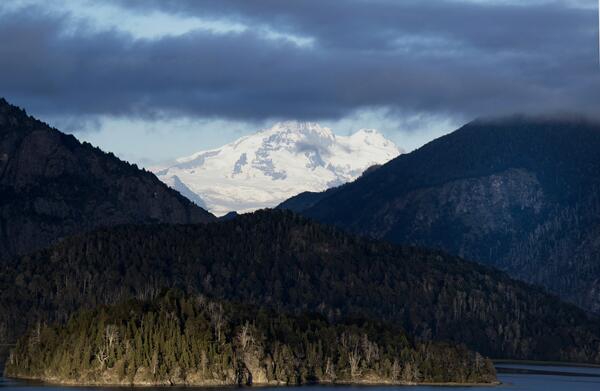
(178, 339)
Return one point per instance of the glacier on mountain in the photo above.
(263, 169)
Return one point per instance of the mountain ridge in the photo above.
(51, 185)
(521, 194)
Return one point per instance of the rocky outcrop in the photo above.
(471, 210)
(51, 186)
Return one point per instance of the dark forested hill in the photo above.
(306, 200)
(179, 340)
(520, 194)
(279, 259)
(51, 185)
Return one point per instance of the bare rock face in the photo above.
(51, 185)
(470, 210)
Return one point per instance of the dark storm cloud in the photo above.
(444, 57)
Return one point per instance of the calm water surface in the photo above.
(529, 378)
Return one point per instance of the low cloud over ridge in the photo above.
(308, 60)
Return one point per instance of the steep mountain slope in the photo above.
(307, 199)
(278, 259)
(52, 186)
(520, 194)
(265, 168)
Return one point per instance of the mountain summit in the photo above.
(265, 168)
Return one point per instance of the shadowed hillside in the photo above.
(519, 194)
(51, 186)
(289, 263)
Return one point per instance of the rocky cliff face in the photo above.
(519, 194)
(51, 185)
(477, 206)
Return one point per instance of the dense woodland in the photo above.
(520, 194)
(288, 263)
(178, 339)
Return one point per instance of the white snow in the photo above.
(268, 167)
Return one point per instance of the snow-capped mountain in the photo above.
(266, 168)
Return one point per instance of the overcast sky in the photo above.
(153, 80)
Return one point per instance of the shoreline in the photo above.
(359, 383)
(545, 363)
(208, 384)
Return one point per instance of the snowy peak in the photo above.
(370, 136)
(263, 169)
(296, 136)
(306, 129)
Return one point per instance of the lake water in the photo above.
(517, 377)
